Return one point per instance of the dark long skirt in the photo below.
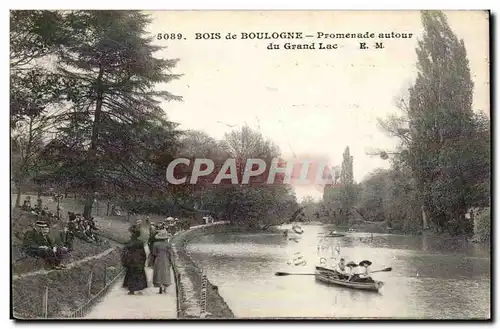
(356, 278)
(135, 279)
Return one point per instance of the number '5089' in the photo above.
(169, 36)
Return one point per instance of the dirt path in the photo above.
(148, 304)
(68, 266)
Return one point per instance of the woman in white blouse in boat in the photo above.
(361, 273)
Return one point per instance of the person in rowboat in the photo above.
(341, 269)
(351, 266)
(362, 272)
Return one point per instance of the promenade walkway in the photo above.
(148, 304)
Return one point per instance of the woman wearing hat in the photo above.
(134, 259)
(171, 228)
(153, 230)
(362, 273)
(161, 261)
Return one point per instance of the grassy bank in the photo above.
(22, 221)
(190, 278)
(59, 293)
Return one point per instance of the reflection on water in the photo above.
(431, 278)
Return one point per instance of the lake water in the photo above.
(431, 278)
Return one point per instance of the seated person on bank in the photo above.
(71, 216)
(67, 237)
(37, 243)
(93, 224)
(45, 211)
(38, 207)
(362, 272)
(27, 204)
(89, 233)
(84, 233)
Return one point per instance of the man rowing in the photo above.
(341, 269)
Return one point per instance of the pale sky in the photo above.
(311, 102)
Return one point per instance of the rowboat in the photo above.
(334, 235)
(329, 276)
(297, 229)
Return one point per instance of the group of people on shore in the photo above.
(39, 210)
(82, 228)
(135, 260)
(38, 242)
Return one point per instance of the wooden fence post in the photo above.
(45, 303)
(203, 295)
(105, 276)
(90, 282)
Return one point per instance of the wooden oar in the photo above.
(286, 273)
(387, 269)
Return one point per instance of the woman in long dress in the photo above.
(134, 259)
(161, 261)
(151, 241)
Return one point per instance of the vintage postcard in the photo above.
(250, 164)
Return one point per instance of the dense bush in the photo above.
(482, 226)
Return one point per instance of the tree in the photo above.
(34, 34)
(254, 204)
(390, 196)
(199, 145)
(347, 184)
(311, 208)
(27, 144)
(332, 197)
(482, 226)
(110, 73)
(34, 89)
(374, 196)
(439, 131)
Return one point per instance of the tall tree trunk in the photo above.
(87, 209)
(91, 155)
(39, 197)
(424, 218)
(22, 173)
(18, 195)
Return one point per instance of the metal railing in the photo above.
(27, 305)
(178, 287)
(86, 308)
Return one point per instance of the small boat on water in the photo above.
(329, 276)
(297, 229)
(334, 235)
